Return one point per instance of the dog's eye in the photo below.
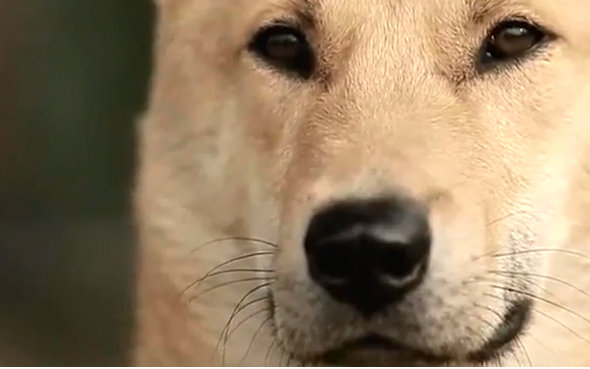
(511, 40)
(285, 48)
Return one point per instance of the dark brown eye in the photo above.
(285, 48)
(512, 40)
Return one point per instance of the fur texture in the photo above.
(233, 148)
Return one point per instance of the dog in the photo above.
(376, 182)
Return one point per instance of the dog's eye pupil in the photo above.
(510, 40)
(285, 48)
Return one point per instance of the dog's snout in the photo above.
(368, 253)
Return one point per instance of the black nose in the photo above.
(368, 253)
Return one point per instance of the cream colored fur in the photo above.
(229, 147)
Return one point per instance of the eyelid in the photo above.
(281, 22)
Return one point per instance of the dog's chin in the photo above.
(378, 350)
(375, 350)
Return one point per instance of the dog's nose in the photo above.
(368, 253)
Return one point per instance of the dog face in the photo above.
(410, 159)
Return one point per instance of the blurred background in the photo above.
(73, 80)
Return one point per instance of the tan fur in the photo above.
(232, 148)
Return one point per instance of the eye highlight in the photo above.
(511, 40)
(285, 48)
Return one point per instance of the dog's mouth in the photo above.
(512, 325)
(386, 351)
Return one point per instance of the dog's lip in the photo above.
(370, 342)
(375, 342)
(512, 325)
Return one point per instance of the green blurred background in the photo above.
(73, 80)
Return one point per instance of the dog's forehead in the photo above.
(571, 15)
(476, 9)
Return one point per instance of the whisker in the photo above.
(532, 251)
(241, 270)
(507, 216)
(242, 322)
(556, 321)
(224, 336)
(229, 283)
(561, 324)
(235, 238)
(498, 279)
(533, 296)
(524, 351)
(282, 357)
(256, 333)
(219, 266)
(550, 278)
(268, 351)
(226, 329)
(514, 350)
(500, 317)
(239, 307)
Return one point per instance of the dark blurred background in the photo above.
(73, 80)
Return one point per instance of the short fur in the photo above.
(230, 147)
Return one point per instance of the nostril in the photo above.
(395, 261)
(332, 263)
(402, 261)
